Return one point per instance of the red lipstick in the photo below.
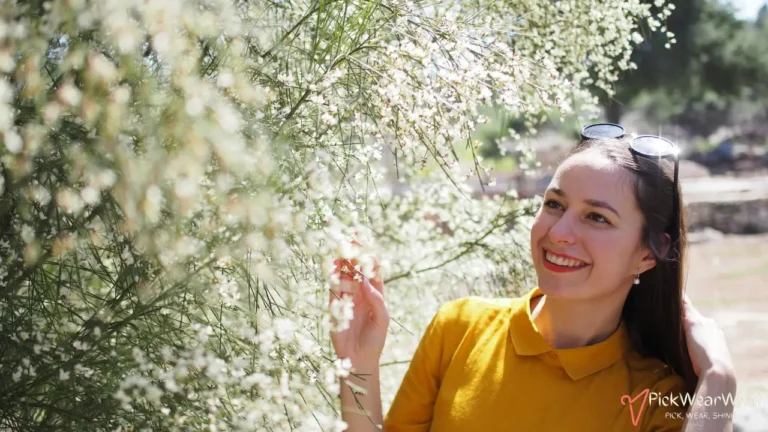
(557, 268)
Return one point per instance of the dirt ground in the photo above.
(728, 281)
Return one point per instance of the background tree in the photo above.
(696, 74)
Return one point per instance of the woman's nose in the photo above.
(563, 231)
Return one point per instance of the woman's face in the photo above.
(586, 239)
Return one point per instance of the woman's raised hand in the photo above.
(363, 341)
(706, 342)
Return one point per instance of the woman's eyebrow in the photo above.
(590, 202)
(602, 204)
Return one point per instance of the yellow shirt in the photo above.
(482, 366)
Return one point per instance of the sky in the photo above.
(746, 9)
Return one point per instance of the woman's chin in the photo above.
(555, 290)
(561, 289)
(577, 291)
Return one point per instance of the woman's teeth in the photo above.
(565, 262)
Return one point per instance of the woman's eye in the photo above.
(552, 204)
(597, 217)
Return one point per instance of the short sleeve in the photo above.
(666, 411)
(413, 406)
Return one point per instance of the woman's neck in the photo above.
(572, 323)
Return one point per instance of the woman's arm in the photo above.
(362, 343)
(713, 365)
(714, 385)
(361, 410)
(413, 404)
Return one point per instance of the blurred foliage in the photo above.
(705, 73)
(696, 75)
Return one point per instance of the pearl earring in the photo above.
(637, 279)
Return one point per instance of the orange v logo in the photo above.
(628, 400)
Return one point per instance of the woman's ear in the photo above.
(658, 248)
(662, 249)
(647, 261)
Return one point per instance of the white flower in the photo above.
(162, 43)
(90, 195)
(13, 142)
(17, 375)
(342, 310)
(255, 379)
(69, 201)
(153, 203)
(106, 179)
(171, 386)
(127, 256)
(204, 334)
(228, 118)
(225, 80)
(185, 188)
(51, 112)
(6, 92)
(343, 367)
(69, 94)
(307, 345)
(284, 329)
(194, 106)
(102, 67)
(122, 396)
(27, 234)
(153, 393)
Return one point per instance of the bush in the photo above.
(176, 178)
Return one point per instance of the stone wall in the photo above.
(732, 216)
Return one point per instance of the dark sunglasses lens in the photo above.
(653, 146)
(602, 131)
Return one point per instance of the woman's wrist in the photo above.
(360, 397)
(724, 376)
(362, 376)
(365, 365)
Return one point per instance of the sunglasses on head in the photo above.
(649, 146)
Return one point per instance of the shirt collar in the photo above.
(577, 362)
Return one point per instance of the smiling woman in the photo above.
(610, 209)
(606, 326)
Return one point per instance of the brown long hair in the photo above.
(653, 311)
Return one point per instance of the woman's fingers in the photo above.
(377, 280)
(691, 313)
(342, 289)
(343, 282)
(353, 281)
(376, 299)
(706, 342)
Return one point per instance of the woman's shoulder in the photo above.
(653, 373)
(664, 390)
(646, 365)
(473, 310)
(465, 320)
